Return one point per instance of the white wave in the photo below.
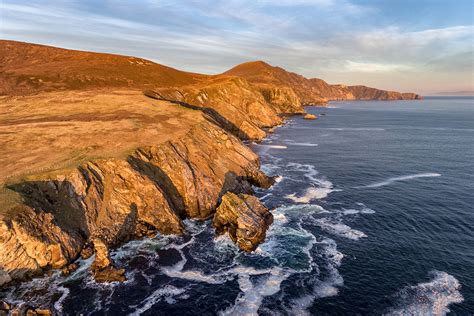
(252, 295)
(402, 178)
(167, 292)
(194, 275)
(176, 271)
(339, 229)
(271, 146)
(58, 305)
(265, 196)
(430, 298)
(363, 210)
(309, 170)
(321, 288)
(302, 144)
(280, 217)
(310, 194)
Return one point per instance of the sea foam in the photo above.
(430, 298)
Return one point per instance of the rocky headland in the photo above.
(97, 149)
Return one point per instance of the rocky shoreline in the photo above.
(185, 159)
(107, 202)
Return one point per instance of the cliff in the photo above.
(366, 93)
(263, 75)
(114, 200)
(229, 101)
(310, 91)
(97, 149)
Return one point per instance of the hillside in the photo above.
(310, 91)
(28, 68)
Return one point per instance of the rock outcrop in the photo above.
(103, 267)
(310, 117)
(244, 218)
(114, 200)
(230, 102)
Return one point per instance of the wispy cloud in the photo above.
(339, 40)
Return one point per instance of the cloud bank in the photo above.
(337, 40)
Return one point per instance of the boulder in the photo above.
(310, 117)
(244, 218)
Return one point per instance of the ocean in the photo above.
(373, 214)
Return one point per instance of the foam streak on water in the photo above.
(430, 298)
(402, 178)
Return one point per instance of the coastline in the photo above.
(130, 162)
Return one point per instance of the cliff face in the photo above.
(114, 200)
(263, 75)
(311, 91)
(367, 93)
(230, 102)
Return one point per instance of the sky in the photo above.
(405, 45)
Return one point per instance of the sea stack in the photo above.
(244, 218)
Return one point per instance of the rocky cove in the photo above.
(136, 157)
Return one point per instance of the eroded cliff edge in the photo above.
(152, 189)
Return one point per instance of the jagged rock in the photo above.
(244, 218)
(110, 274)
(38, 312)
(103, 268)
(197, 169)
(67, 270)
(310, 116)
(87, 251)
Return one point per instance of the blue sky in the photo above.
(416, 45)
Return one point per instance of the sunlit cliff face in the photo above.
(423, 46)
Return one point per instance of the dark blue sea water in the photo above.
(374, 214)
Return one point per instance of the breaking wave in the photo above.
(310, 195)
(430, 298)
(339, 229)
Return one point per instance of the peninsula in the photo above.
(98, 149)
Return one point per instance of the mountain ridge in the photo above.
(30, 68)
